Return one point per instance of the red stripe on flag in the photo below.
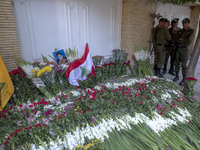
(92, 72)
(79, 62)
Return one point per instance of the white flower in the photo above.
(43, 64)
(51, 65)
(165, 96)
(157, 124)
(142, 55)
(64, 66)
(28, 70)
(75, 93)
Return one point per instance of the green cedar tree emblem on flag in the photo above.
(84, 72)
(2, 84)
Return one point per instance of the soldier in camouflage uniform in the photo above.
(154, 32)
(163, 38)
(184, 40)
(173, 30)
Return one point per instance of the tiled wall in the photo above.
(137, 24)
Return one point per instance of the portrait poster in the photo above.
(60, 57)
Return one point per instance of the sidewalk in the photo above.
(197, 86)
(197, 76)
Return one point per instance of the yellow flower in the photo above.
(45, 69)
(34, 71)
(79, 146)
(88, 145)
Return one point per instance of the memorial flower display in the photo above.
(111, 110)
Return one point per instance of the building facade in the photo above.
(40, 26)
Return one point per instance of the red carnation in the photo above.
(133, 56)
(191, 78)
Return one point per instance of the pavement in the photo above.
(197, 76)
(197, 86)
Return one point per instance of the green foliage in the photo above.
(92, 145)
(135, 98)
(189, 92)
(44, 58)
(180, 1)
(144, 68)
(98, 60)
(143, 137)
(137, 49)
(72, 54)
(24, 89)
(31, 136)
(90, 82)
(119, 55)
(104, 73)
(55, 81)
(4, 131)
(20, 62)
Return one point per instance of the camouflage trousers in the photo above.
(155, 56)
(181, 59)
(161, 54)
(172, 54)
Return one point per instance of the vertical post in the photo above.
(194, 58)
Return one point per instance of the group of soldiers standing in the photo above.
(171, 42)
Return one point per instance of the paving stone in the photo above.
(197, 76)
(2, 147)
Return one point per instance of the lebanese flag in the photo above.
(80, 69)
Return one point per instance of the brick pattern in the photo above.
(9, 48)
(137, 24)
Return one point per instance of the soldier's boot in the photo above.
(165, 69)
(176, 77)
(159, 75)
(183, 80)
(155, 70)
(171, 71)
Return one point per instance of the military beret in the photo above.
(185, 20)
(162, 20)
(175, 20)
(166, 20)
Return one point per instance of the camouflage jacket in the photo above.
(154, 33)
(174, 34)
(163, 36)
(187, 36)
